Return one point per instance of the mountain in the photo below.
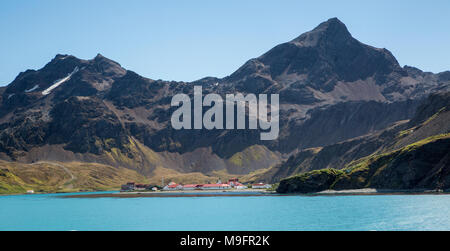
(410, 155)
(332, 89)
(431, 119)
(423, 165)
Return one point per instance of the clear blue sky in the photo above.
(188, 40)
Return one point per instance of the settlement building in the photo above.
(142, 187)
(234, 183)
(173, 187)
(215, 187)
(240, 186)
(130, 186)
(192, 187)
(261, 186)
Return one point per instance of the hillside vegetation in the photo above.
(62, 177)
(422, 165)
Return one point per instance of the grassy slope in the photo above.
(359, 173)
(251, 154)
(153, 165)
(17, 178)
(142, 165)
(62, 177)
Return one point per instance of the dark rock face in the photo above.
(335, 156)
(332, 88)
(86, 125)
(424, 167)
(22, 134)
(133, 91)
(431, 119)
(412, 155)
(336, 123)
(434, 104)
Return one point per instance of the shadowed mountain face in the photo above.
(409, 155)
(430, 120)
(424, 165)
(332, 88)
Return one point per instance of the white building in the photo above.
(261, 186)
(216, 187)
(240, 187)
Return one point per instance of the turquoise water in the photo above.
(51, 212)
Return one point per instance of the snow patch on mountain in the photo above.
(32, 89)
(59, 82)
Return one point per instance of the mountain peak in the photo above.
(104, 60)
(60, 57)
(107, 66)
(99, 56)
(331, 30)
(333, 25)
(322, 57)
(332, 22)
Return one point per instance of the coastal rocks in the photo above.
(315, 181)
(425, 167)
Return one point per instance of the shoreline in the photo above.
(201, 191)
(176, 194)
(144, 192)
(58, 193)
(256, 193)
(373, 191)
(234, 193)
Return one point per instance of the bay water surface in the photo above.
(371, 213)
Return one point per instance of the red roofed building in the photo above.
(172, 187)
(216, 187)
(234, 183)
(192, 187)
